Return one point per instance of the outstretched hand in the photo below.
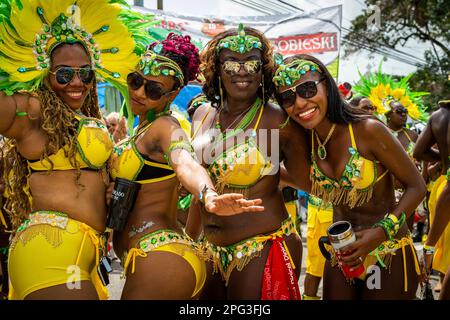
(230, 204)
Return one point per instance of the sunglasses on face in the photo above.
(401, 112)
(305, 90)
(153, 91)
(233, 67)
(64, 75)
(368, 108)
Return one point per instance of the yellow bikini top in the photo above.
(411, 144)
(241, 166)
(94, 146)
(356, 184)
(128, 163)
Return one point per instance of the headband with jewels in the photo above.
(288, 74)
(31, 29)
(240, 43)
(381, 89)
(154, 64)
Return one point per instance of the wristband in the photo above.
(205, 193)
(428, 249)
(391, 224)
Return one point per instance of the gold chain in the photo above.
(321, 151)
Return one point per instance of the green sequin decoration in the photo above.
(287, 75)
(241, 42)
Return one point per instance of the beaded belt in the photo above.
(238, 255)
(156, 239)
(45, 222)
(53, 218)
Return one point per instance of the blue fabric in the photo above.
(101, 94)
(186, 94)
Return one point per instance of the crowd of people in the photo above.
(206, 208)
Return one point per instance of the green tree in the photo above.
(425, 21)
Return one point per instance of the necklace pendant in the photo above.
(321, 152)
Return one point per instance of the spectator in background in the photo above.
(116, 126)
(363, 103)
(345, 89)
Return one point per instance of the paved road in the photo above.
(116, 283)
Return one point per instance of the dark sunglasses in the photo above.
(368, 108)
(64, 75)
(152, 89)
(233, 67)
(401, 111)
(305, 90)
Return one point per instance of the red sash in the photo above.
(279, 279)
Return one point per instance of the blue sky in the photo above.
(351, 8)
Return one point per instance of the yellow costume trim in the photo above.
(441, 258)
(170, 241)
(51, 249)
(94, 146)
(355, 186)
(3, 220)
(241, 166)
(184, 123)
(236, 256)
(291, 208)
(305, 297)
(319, 219)
(127, 162)
(383, 255)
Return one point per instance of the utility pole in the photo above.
(160, 5)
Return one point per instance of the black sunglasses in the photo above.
(305, 90)
(64, 75)
(152, 89)
(401, 111)
(368, 107)
(233, 67)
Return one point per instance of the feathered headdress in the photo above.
(30, 29)
(381, 89)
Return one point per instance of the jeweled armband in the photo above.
(174, 145)
(391, 224)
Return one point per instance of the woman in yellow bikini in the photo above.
(252, 255)
(160, 261)
(354, 159)
(57, 146)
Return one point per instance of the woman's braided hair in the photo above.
(60, 126)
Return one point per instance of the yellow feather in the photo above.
(91, 15)
(27, 19)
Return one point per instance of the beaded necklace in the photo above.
(243, 124)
